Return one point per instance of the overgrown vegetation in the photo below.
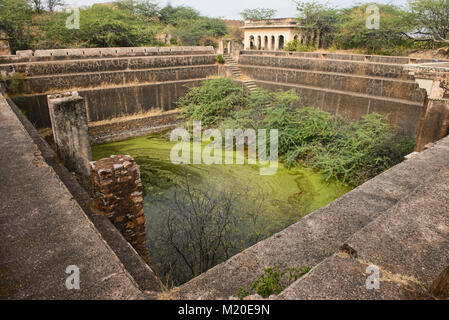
(212, 102)
(423, 24)
(349, 152)
(258, 13)
(13, 83)
(31, 25)
(273, 281)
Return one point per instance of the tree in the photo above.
(318, 22)
(431, 18)
(53, 4)
(15, 18)
(258, 14)
(205, 225)
(174, 15)
(391, 34)
(38, 5)
(145, 8)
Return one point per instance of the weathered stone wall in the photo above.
(103, 65)
(347, 85)
(434, 122)
(124, 128)
(370, 85)
(403, 114)
(90, 53)
(107, 103)
(341, 56)
(4, 44)
(117, 194)
(114, 78)
(70, 133)
(114, 84)
(375, 69)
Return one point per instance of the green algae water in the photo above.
(200, 215)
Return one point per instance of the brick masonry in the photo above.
(117, 194)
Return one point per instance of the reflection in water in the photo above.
(200, 215)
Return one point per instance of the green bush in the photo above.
(296, 45)
(349, 152)
(14, 83)
(273, 281)
(220, 59)
(212, 101)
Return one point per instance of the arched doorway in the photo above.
(251, 43)
(273, 43)
(259, 42)
(281, 42)
(265, 43)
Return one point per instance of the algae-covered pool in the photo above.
(200, 215)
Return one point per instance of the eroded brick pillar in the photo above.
(117, 194)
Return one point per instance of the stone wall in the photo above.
(4, 44)
(33, 69)
(54, 83)
(111, 102)
(385, 70)
(117, 194)
(347, 85)
(114, 82)
(125, 128)
(70, 133)
(434, 122)
(91, 53)
(341, 56)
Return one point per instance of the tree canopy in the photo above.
(35, 24)
(258, 14)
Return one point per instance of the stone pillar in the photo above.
(276, 42)
(4, 44)
(70, 132)
(117, 194)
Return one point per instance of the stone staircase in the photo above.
(237, 73)
(383, 220)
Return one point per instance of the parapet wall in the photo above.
(90, 53)
(342, 56)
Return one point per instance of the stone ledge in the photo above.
(408, 243)
(320, 234)
(137, 268)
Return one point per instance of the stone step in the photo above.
(47, 83)
(408, 244)
(320, 234)
(379, 86)
(325, 65)
(104, 65)
(355, 105)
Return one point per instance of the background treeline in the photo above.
(41, 24)
(421, 24)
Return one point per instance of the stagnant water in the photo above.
(200, 215)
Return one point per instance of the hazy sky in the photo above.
(230, 8)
